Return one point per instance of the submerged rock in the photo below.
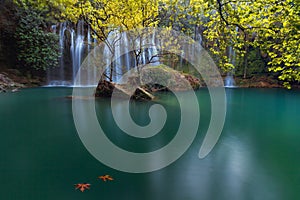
(104, 89)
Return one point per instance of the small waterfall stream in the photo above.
(229, 80)
(62, 29)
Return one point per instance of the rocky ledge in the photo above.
(13, 80)
(7, 84)
(262, 81)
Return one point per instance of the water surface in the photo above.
(257, 156)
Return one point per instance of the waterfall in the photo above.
(90, 71)
(54, 28)
(229, 80)
(143, 54)
(127, 59)
(76, 41)
(95, 43)
(149, 51)
(78, 52)
(72, 52)
(56, 77)
(106, 55)
(62, 29)
(118, 64)
(153, 51)
(120, 43)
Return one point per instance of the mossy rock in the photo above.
(162, 77)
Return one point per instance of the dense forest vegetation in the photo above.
(263, 34)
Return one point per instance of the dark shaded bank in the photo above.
(261, 81)
(12, 80)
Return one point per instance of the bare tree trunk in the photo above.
(111, 72)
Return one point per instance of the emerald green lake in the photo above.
(256, 158)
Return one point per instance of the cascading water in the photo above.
(95, 70)
(190, 50)
(56, 77)
(108, 49)
(76, 43)
(89, 46)
(72, 52)
(88, 72)
(78, 52)
(62, 29)
(118, 64)
(71, 56)
(127, 55)
(117, 43)
(54, 28)
(143, 58)
(153, 51)
(229, 80)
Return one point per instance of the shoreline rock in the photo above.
(7, 84)
(258, 82)
(13, 80)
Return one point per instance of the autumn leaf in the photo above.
(106, 177)
(82, 186)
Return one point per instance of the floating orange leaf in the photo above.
(82, 186)
(106, 177)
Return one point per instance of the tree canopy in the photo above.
(272, 26)
(231, 29)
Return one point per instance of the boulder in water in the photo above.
(106, 89)
(142, 94)
(164, 78)
(151, 79)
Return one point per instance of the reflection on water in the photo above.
(257, 156)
